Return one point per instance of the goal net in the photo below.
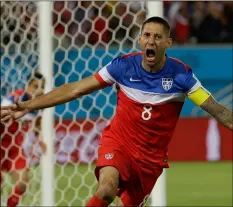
(86, 36)
(19, 58)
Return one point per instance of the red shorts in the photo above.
(136, 182)
(12, 155)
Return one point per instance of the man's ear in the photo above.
(169, 43)
(139, 38)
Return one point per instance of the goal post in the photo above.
(155, 8)
(158, 195)
(46, 69)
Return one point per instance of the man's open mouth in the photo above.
(150, 54)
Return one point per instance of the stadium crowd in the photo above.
(199, 21)
(81, 22)
(191, 21)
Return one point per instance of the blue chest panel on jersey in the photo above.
(173, 77)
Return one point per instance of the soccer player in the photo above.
(151, 91)
(13, 158)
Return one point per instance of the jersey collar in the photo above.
(146, 73)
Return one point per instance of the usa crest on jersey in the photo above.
(167, 83)
(109, 156)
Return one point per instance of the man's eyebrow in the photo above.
(157, 33)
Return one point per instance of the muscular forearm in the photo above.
(225, 117)
(63, 94)
(58, 96)
(219, 112)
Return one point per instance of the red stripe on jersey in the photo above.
(131, 54)
(179, 61)
(101, 80)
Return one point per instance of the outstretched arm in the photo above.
(60, 95)
(203, 98)
(63, 94)
(219, 112)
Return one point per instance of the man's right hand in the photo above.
(12, 112)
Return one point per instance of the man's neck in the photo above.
(155, 68)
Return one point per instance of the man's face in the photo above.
(154, 40)
(35, 88)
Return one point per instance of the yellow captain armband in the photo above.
(199, 96)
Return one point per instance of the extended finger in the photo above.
(16, 99)
(18, 114)
(4, 113)
(6, 107)
(12, 106)
(6, 119)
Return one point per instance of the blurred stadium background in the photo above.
(86, 36)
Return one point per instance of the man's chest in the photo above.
(166, 84)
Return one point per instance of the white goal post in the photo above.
(66, 172)
(46, 68)
(158, 195)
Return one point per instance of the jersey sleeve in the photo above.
(193, 88)
(111, 73)
(188, 81)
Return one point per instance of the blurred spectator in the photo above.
(204, 22)
(211, 27)
(117, 22)
(196, 18)
(227, 19)
(182, 24)
(99, 23)
(172, 13)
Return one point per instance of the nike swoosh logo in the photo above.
(134, 80)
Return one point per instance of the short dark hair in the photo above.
(36, 76)
(158, 20)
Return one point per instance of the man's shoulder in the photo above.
(125, 61)
(131, 55)
(179, 65)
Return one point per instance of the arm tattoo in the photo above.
(219, 112)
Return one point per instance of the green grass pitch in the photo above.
(188, 184)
